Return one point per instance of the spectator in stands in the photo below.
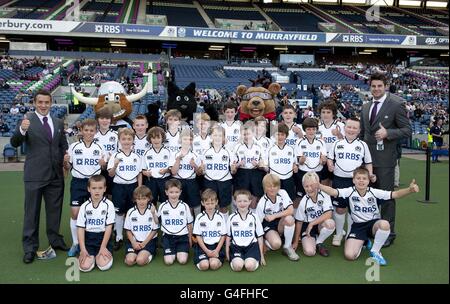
(14, 109)
(5, 109)
(4, 85)
(3, 126)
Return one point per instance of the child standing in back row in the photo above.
(125, 167)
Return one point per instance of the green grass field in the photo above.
(420, 253)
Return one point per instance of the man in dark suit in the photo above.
(43, 173)
(383, 123)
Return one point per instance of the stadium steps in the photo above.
(59, 13)
(220, 74)
(430, 21)
(204, 15)
(267, 17)
(122, 17)
(141, 12)
(385, 20)
(327, 17)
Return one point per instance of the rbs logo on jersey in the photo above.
(370, 209)
(142, 228)
(95, 222)
(285, 161)
(351, 156)
(218, 167)
(108, 147)
(211, 234)
(243, 233)
(173, 222)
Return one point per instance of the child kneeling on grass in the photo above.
(95, 221)
(363, 207)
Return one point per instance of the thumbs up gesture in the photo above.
(381, 133)
(413, 187)
(337, 132)
(25, 123)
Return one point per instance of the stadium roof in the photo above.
(401, 3)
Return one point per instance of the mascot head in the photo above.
(182, 100)
(112, 95)
(257, 101)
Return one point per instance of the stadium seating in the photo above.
(10, 152)
(178, 14)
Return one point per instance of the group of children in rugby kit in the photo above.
(142, 182)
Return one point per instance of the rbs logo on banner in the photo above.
(353, 38)
(110, 29)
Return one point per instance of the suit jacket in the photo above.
(44, 160)
(392, 115)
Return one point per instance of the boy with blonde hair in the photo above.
(275, 210)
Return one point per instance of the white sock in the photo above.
(380, 237)
(197, 210)
(324, 234)
(73, 230)
(225, 216)
(349, 223)
(340, 220)
(288, 235)
(119, 227)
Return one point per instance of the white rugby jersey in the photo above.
(85, 160)
(325, 134)
(281, 161)
(109, 141)
(264, 142)
(244, 231)
(292, 138)
(200, 144)
(172, 142)
(267, 207)
(128, 169)
(348, 156)
(210, 229)
(312, 151)
(247, 154)
(154, 161)
(364, 208)
(308, 210)
(217, 164)
(232, 133)
(186, 171)
(141, 145)
(174, 220)
(140, 224)
(95, 219)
